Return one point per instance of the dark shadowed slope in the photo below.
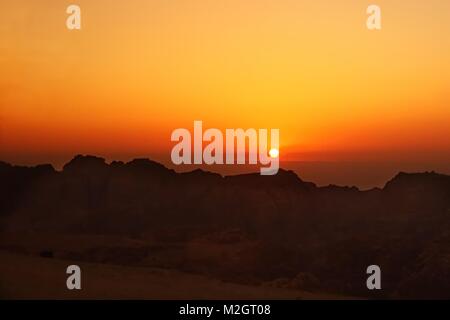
(263, 230)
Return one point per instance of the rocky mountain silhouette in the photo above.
(276, 231)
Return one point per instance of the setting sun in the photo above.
(273, 153)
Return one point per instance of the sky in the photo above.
(137, 70)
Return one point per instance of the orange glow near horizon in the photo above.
(139, 69)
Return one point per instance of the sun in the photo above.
(273, 153)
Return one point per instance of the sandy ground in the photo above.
(32, 277)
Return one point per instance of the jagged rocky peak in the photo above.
(403, 179)
(147, 166)
(85, 162)
(38, 169)
(145, 163)
(282, 178)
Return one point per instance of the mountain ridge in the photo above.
(94, 163)
(277, 229)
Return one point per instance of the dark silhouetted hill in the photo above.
(272, 230)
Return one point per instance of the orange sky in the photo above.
(139, 69)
